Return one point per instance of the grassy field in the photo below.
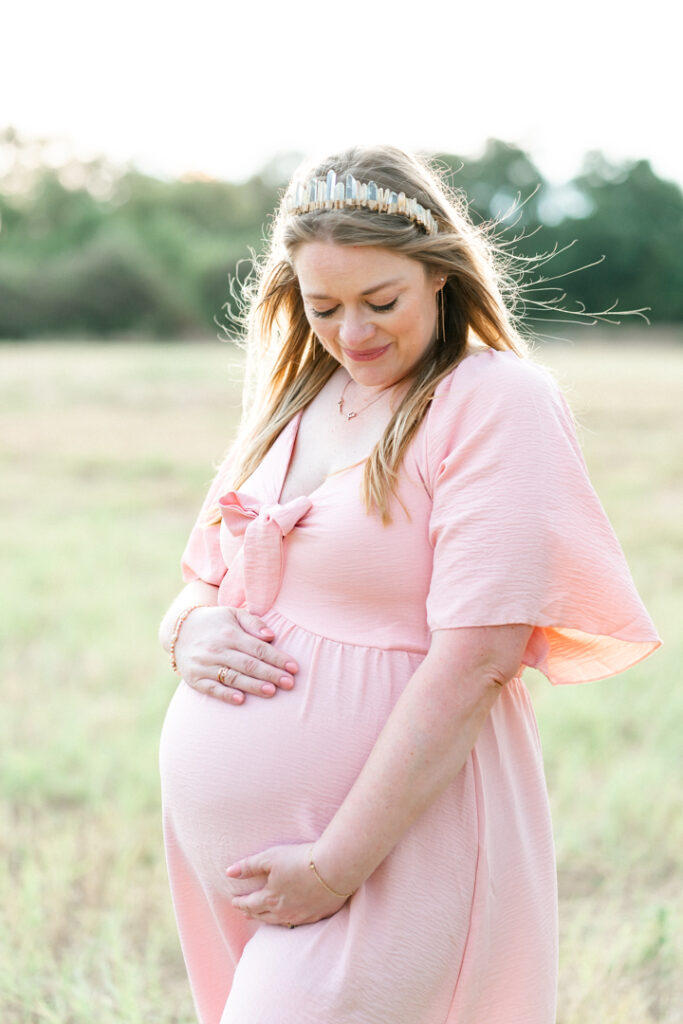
(105, 453)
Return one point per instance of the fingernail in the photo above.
(266, 632)
(237, 698)
(268, 688)
(291, 666)
(234, 871)
(287, 682)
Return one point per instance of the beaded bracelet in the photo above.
(339, 895)
(176, 632)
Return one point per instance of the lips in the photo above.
(365, 355)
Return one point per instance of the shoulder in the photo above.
(495, 402)
(492, 375)
(490, 385)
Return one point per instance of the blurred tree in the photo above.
(88, 246)
(636, 220)
(496, 182)
(50, 218)
(107, 286)
(19, 315)
(111, 285)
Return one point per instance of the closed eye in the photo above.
(377, 309)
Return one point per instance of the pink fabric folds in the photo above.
(202, 558)
(256, 572)
(503, 527)
(519, 534)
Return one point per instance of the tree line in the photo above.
(91, 249)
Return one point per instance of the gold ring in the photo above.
(290, 926)
(221, 675)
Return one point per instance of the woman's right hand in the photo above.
(227, 653)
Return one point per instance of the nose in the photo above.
(355, 329)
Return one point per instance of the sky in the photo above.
(219, 88)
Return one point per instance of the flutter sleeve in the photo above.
(518, 533)
(202, 558)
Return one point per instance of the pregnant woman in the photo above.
(355, 813)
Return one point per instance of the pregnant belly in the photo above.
(237, 779)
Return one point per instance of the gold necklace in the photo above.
(351, 415)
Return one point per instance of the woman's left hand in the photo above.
(291, 895)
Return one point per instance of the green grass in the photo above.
(105, 453)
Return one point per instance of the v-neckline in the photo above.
(293, 428)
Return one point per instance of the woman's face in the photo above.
(372, 309)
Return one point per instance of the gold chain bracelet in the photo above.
(339, 895)
(176, 632)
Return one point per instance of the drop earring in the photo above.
(441, 337)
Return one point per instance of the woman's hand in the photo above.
(227, 653)
(291, 894)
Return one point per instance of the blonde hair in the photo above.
(286, 364)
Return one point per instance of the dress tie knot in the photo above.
(255, 575)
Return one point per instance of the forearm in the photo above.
(196, 592)
(421, 749)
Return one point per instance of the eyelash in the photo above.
(377, 309)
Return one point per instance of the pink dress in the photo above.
(458, 924)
